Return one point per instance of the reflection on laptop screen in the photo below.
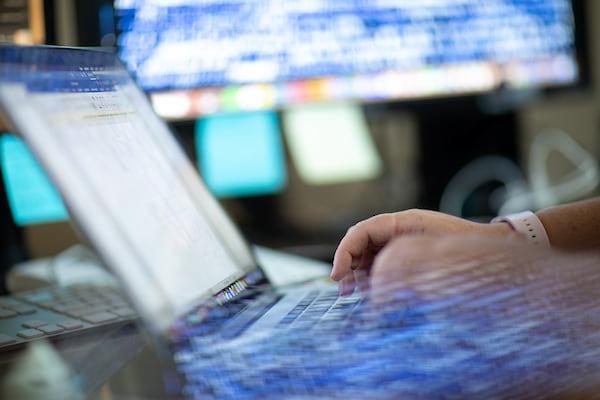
(127, 183)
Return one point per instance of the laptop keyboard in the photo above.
(396, 351)
(52, 312)
(320, 307)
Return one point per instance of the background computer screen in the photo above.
(204, 56)
(31, 196)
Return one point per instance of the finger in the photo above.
(375, 231)
(366, 259)
(383, 276)
(361, 277)
(347, 285)
(396, 263)
(343, 263)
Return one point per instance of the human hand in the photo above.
(435, 267)
(496, 297)
(357, 250)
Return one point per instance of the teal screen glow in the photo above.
(31, 196)
(241, 154)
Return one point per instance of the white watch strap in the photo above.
(528, 224)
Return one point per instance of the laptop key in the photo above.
(119, 304)
(100, 317)
(9, 303)
(123, 311)
(65, 307)
(5, 339)
(30, 334)
(48, 304)
(80, 312)
(4, 313)
(34, 324)
(51, 329)
(23, 309)
(37, 297)
(70, 324)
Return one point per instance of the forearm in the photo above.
(574, 226)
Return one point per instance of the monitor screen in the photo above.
(203, 56)
(31, 196)
(228, 168)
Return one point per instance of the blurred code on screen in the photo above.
(197, 43)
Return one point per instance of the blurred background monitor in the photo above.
(31, 196)
(199, 57)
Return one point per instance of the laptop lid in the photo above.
(127, 183)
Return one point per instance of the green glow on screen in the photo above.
(31, 196)
(241, 154)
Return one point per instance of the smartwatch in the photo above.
(529, 225)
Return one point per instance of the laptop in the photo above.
(191, 276)
(138, 200)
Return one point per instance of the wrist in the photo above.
(501, 229)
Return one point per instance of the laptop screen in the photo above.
(127, 183)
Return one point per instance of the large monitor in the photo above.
(198, 57)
